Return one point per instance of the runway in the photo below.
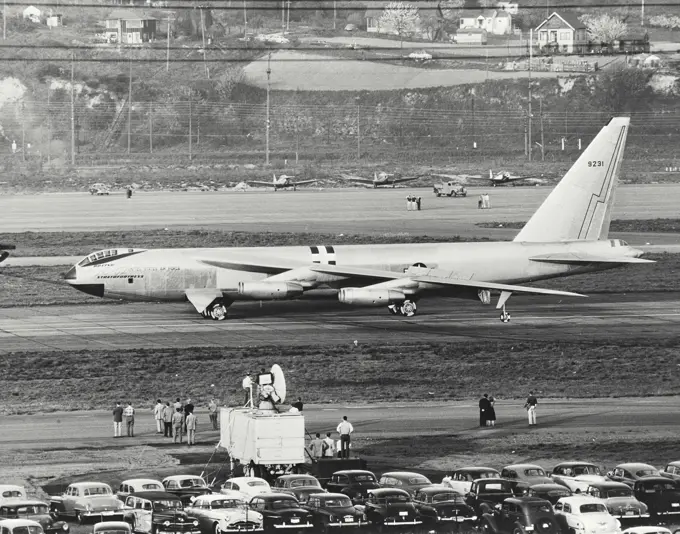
(113, 326)
(307, 210)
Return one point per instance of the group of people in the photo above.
(487, 412)
(327, 447)
(413, 203)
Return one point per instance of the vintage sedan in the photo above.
(391, 507)
(486, 493)
(461, 479)
(619, 499)
(281, 511)
(672, 471)
(584, 514)
(405, 480)
(246, 486)
(440, 504)
(647, 530)
(36, 511)
(550, 492)
(577, 476)
(158, 512)
(12, 491)
(632, 472)
(186, 487)
(112, 527)
(20, 526)
(524, 475)
(301, 486)
(662, 496)
(517, 515)
(135, 485)
(88, 500)
(355, 483)
(218, 513)
(333, 510)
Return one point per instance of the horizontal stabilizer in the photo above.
(250, 266)
(201, 298)
(570, 258)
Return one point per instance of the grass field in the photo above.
(671, 226)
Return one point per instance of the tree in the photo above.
(604, 29)
(484, 4)
(450, 10)
(623, 90)
(400, 18)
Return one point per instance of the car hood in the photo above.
(102, 502)
(176, 517)
(235, 515)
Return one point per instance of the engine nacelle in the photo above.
(269, 290)
(370, 297)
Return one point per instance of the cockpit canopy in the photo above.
(104, 256)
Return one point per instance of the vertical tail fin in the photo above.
(579, 208)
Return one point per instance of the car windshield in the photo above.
(226, 503)
(446, 496)
(28, 509)
(419, 480)
(586, 470)
(541, 508)
(152, 487)
(593, 508)
(192, 483)
(392, 499)
(27, 530)
(646, 472)
(618, 492)
(535, 472)
(167, 505)
(339, 502)
(486, 474)
(364, 478)
(98, 490)
(255, 483)
(280, 504)
(658, 486)
(304, 482)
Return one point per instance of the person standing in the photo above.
(191, 428)
(298, 404)
(483, 409)
(212, 411)
(328, 446)
(345, 429)
(129, 414)
(158, 416)
(247, 385)
(167, 420)
(530, 406)
(491, 416)
(177, 423)
(118, 421)
(188, 408)
(316, 448)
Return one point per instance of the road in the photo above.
(148, 325)
(336, 211)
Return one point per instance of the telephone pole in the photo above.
(167, 55)
(73, 117)
(531, 57)
(335, 13)
(288, 17)
(205, 63)
(540, 102)
(245, 23)
(269, 74)
(4, 20)
(129, 128)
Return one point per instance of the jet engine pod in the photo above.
(269, 290)
(370, 297)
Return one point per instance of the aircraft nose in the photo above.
(71, 274)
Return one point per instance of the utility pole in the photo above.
(129, 128)
(4, 20)
(151, 128)
(547, 8)
(191, 134)
(205, 64)
(245, 23)
(335, 13)
(23, 131)
(283, 15)
(358, 130)
(167, 55)
(73, 117)
(531, 57)
(288, 17)
(642, 13)
(49, 128)
(541, 123)
(269, 74)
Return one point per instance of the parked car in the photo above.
(420, 55)
(672, 471)
(486, 493)
(550, 492)
(450, 189)
(632, 472)
(301, 486)
(355, 483)
(405, 480)
(440, 504)
(218, 513)
(524, 475)
(246, 486)
(99, 189)
(647, 530)
(12, 491)
(390, 507)
(88, 500)
(134, 485)
(619, 498)
(281, 511)
(577, 476)
(461, 479)
(36, 511)
(332, 510)
(517, 515)
(20, 526)
(158, 512)
(586, 515)
(186, 487)
(662, 496)
(112, 527)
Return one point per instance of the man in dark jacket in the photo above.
(484, 406)
(118, 421)
(188, 408)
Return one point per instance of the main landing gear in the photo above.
(217, 311)
(505, 316)
(407, 308)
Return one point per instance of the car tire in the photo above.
(517, 530)
(217, 529)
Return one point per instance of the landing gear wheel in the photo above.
(217, 311)
(409, 308)
(505, 317)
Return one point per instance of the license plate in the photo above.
(349, 520)
(675, 504)
(403, 514)
(294, 519)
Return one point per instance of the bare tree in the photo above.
(399, 17)
(451, 9)
(604, 29)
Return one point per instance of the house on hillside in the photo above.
(635, 40)
(493, 21)
(130, 27)
(562, 32)
(53, 21)
(33, 14)
(470, 36)
(510, 7)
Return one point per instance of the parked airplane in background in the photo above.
(379, 178)
(282, 182)
(494, 179)
(567, 235)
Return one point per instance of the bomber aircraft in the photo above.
(282, 182)
(567, 235)
(379, 179)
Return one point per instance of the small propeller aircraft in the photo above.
(379, 178)
(282, 182)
